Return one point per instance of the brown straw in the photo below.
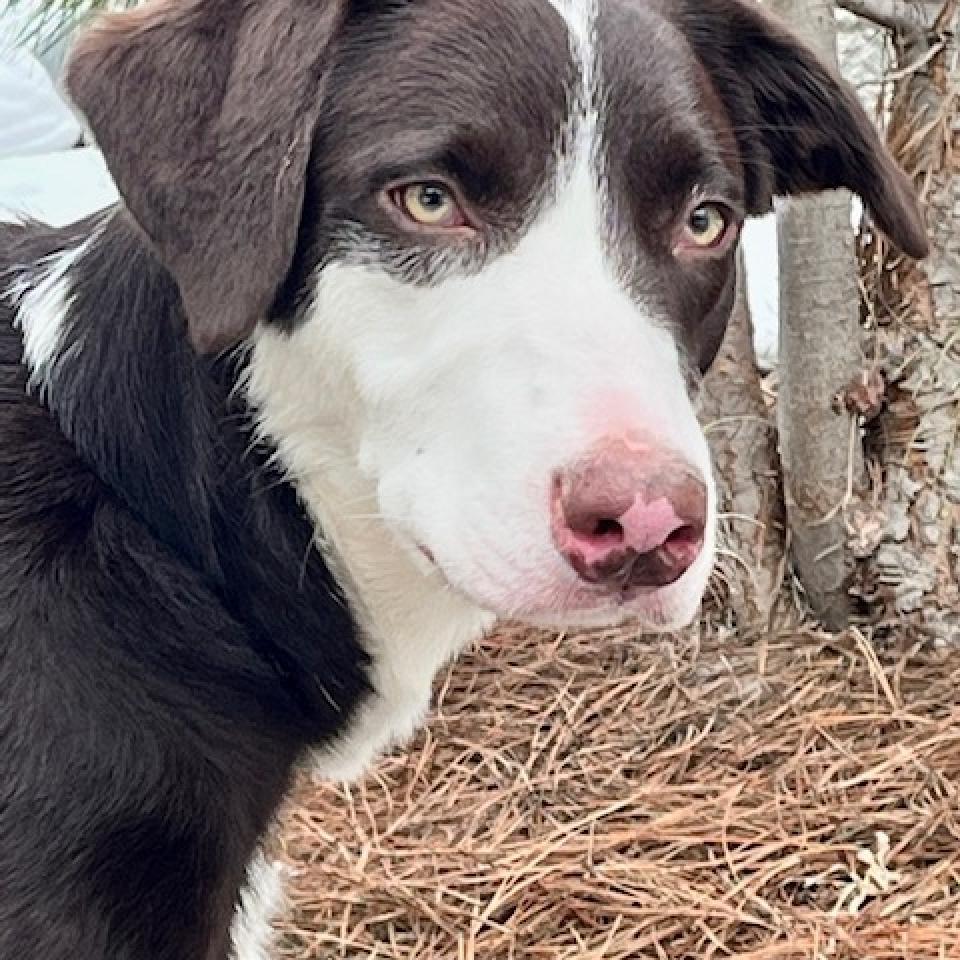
(776, 797)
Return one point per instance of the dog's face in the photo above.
(515, 270)
(483, 252)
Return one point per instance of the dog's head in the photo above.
(484, 251)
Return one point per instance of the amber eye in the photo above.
(707, 226)
(430, 205)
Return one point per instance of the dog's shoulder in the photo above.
(39, 469)
(142, 535)
(76, 555)
(81, 572)
(21, 243)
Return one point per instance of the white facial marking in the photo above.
(476, 390)
(431, 419)
(411, 416)
(581, 17)
(262, 900)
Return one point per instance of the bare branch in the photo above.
(904, 16)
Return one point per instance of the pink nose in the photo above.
(629, 517)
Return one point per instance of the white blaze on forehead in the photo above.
(581, 192)
(581, 17)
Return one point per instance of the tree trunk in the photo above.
(743, 441)
(916, 570)
(820, 357)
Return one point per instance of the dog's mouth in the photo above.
(584, 606)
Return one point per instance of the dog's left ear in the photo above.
(800, 128)
(205, 111)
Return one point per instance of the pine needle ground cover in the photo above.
(781, 796)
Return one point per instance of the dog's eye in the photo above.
(430, 205)
(707, 226)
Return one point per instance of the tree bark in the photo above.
(904, 15)
(820, 357)
(913, 577)
(742, 435)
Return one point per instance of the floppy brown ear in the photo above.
(205, 110)
(800, 128)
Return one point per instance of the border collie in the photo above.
(395, 332)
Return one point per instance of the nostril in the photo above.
(593, 537)
(685, 536)
(594, 543)
(579, 519)
(607, 530)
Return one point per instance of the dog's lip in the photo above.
(597, 597)
(593, 602)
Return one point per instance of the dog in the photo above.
(395, 332)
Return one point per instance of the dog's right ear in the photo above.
(799, 127)
(205, 112)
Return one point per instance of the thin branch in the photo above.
(903, 16)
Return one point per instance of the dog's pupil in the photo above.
(432, 197)
(700, 221)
